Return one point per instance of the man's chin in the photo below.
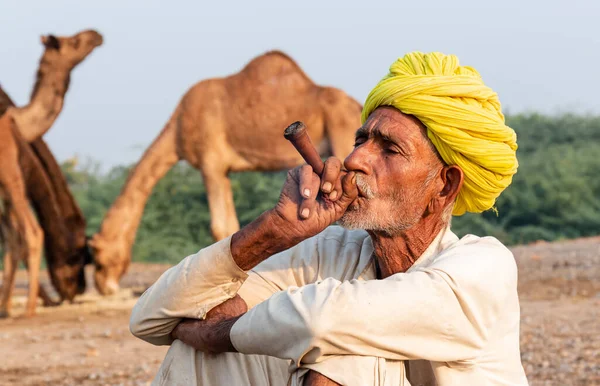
(363, 217)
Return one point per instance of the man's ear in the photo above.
(452, 179)
(50, 41)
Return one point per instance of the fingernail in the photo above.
(327, 187)
(354, 179)
(306, 192)
(305, 212)
(333, 195)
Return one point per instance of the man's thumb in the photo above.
(350, 190)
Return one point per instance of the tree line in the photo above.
(554, 194)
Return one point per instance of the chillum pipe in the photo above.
(296, 133)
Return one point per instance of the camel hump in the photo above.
(273, 62)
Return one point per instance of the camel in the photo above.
(223, 125)
(60, 217)
(21, 233)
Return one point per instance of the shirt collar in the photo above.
(443, 240)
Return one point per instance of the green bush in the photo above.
(554, 195)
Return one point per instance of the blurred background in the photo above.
(541, 57)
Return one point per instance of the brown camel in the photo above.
(21, 233)
(224, 125)
(59, 216)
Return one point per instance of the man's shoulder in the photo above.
(487, 243)
(479, 258)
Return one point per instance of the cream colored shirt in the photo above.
(453, 316)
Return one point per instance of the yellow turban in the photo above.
(463, 119)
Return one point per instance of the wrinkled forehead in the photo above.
(390, 122)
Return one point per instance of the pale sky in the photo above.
(538, 55)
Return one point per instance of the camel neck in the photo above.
(36, 118)
(124, 216)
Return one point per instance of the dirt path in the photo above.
(88, 343)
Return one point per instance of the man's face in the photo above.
(395, 166)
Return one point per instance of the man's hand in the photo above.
(307, 205)
(211, 335)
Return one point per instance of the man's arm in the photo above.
(187, 290)
(317, 379)
(443, 313)
(210, 281)
(213, 275)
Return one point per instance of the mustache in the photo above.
(363, 187)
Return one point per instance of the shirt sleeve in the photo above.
(208, 278)
(441, 313)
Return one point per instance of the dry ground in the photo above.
(88, 343)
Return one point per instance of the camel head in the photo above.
(111, 261)
(68, 277)
(70, 50)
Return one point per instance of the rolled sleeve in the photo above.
(188, 290)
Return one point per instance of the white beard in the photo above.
(389, 221)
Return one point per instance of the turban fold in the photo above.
(463, 118)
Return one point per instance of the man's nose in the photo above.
(360, 160)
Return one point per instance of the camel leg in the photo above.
(25, 238)
(35, 241)
(8, 284)
(47, 301)
(223, 219)
(233, 224)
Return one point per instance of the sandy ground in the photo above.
(88, 342)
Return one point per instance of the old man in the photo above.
(392, 297)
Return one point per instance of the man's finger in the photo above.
(349, 190)
(309, 188)
(337, 190)
(331, 174)
(304, 181)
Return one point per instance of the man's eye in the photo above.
(359, 141)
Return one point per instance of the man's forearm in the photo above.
(258, 241)
(314, 378)
(187, 290)
(208, 335)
